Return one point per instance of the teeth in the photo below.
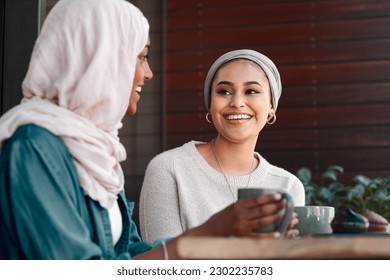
(238, 117)
(138, 89)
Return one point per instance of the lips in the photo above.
(238, 117)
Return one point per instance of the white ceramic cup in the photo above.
(314, 219)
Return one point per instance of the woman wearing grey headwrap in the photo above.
(186, 186)
(261, 60)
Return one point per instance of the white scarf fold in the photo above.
(78, 86)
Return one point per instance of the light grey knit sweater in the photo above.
(181, 190)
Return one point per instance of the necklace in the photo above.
(224, 175)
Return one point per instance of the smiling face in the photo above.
(142, 73)
(240, 100)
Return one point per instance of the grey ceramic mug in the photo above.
(282, 225)
(314, 219)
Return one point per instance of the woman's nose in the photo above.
(148, 72)
(237, 101)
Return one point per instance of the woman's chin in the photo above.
(132, 110)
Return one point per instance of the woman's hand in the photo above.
(244, 217)
(239, 219)
(290, 230)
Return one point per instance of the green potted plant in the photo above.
(362, 205)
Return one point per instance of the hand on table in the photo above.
(244, 216)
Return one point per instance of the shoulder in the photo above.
(187, 150)
(36, 153)
(35, 135)
(285, 180)
(35, 145)
(278, 172)
(32, 131)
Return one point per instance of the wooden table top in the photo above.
(370, 246)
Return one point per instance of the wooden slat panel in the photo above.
(281, 54)
(187, 123)
(300, 96)
(367, 71)
(306, 139)
(333, 116)
(213, 16)
(238, 37)
(295, 118)
(354, 159)
(336, 9)
(249, 15)
(299, 75)
(177, 5)
(324, 138)
(183, 81)
(185, 101)
(338, 94)
(241, 37)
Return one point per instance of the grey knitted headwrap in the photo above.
(264, 62)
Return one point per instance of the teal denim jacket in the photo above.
(44, 213)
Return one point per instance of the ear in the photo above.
(271, 110)
(271, 118)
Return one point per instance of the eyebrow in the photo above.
(225, 83)
(252, 83)
(245, 84)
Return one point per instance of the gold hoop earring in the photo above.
(207, 117)
(272, 119)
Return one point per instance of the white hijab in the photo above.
(78, 86)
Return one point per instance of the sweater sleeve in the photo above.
(298, 192)
(159, 203)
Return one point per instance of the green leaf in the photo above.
(356, 192)
(304, 174)
(335, 186)
(382, 195)
(310, 193)
(330, 174)
(336, 168)
(324, 196)
(309, 198)
(361, 179)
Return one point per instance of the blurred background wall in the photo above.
(334, 60)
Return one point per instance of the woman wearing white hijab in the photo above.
(61, 183)
(191, 183)
(76, 92)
